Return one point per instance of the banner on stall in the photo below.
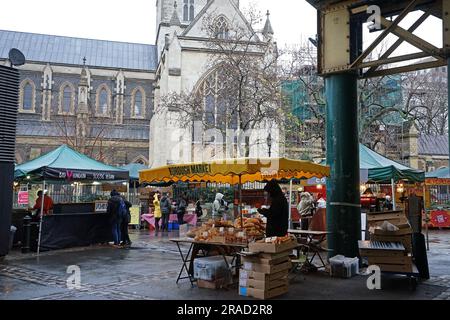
(440, 219)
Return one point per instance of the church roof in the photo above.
(68, 50)
(433, 145)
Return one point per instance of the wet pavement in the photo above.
(148, 271)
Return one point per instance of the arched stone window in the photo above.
(67, 98)
(103, 105)
(27, 97)
(191, 10)
(188, 10)
(141, 160)
(222, 28)
(138, 105)
(218, 112)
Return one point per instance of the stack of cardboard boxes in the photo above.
(395, 247)
(264, 273)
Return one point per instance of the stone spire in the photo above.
(175, 20)
(268, 30)
(83, 90)
(82, 122)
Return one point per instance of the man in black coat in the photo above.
(278, 213)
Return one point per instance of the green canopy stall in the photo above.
(380, 169)
(442, 173)
(66, 166)
(384, 170)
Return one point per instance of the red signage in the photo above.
(440, 219)
(23, 198)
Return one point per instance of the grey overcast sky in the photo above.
(134, 20)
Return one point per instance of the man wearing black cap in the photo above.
(278, 213)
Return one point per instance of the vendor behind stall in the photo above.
(220, 207)
(305, 209)
(48, 204)
(278, 213)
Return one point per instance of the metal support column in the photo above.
(343, 194)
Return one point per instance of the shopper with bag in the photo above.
(166, 208)
(181, 208)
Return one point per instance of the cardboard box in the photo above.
(263, 294)
(264, 285)
(406, 268)
(259, 276)
(386, 215)
(395, 217)
(275, 256)
(214, 285)
(404, 229)
(265, 261)
(405, 260)
(263, 268)
(272, 247)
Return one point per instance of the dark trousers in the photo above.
(157, 226)
(116, 232)
(305, 223)
(124, 232)
(180, 216)
(165, 221)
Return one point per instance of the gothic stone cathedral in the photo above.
(99, 96)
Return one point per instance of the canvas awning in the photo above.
(235, 171)
(66, 164)
(383, 170)
(133, 170)
(440, 177)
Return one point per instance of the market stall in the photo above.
(227, 235)
(235, 172)
(70, 223)
(382, 170)
(437, 201)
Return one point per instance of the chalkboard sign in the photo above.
(101, 206)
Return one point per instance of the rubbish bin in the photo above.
(11, 236)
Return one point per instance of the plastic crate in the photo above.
(211, 268)
(343, 267)
(173, 226)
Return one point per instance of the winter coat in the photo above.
(112, 210)
(305, 205)
(156, 203)
(278, 213)
(217, 204)
(128, 205)
(198, 209)
(165, 205)
(181, 206)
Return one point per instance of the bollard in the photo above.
(26, 234)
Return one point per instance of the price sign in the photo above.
(23, 198)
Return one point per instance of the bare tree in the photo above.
(243, 90)
(85, 133)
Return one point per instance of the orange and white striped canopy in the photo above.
(235, 171)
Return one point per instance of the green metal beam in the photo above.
(448, 106)
(343, 195)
